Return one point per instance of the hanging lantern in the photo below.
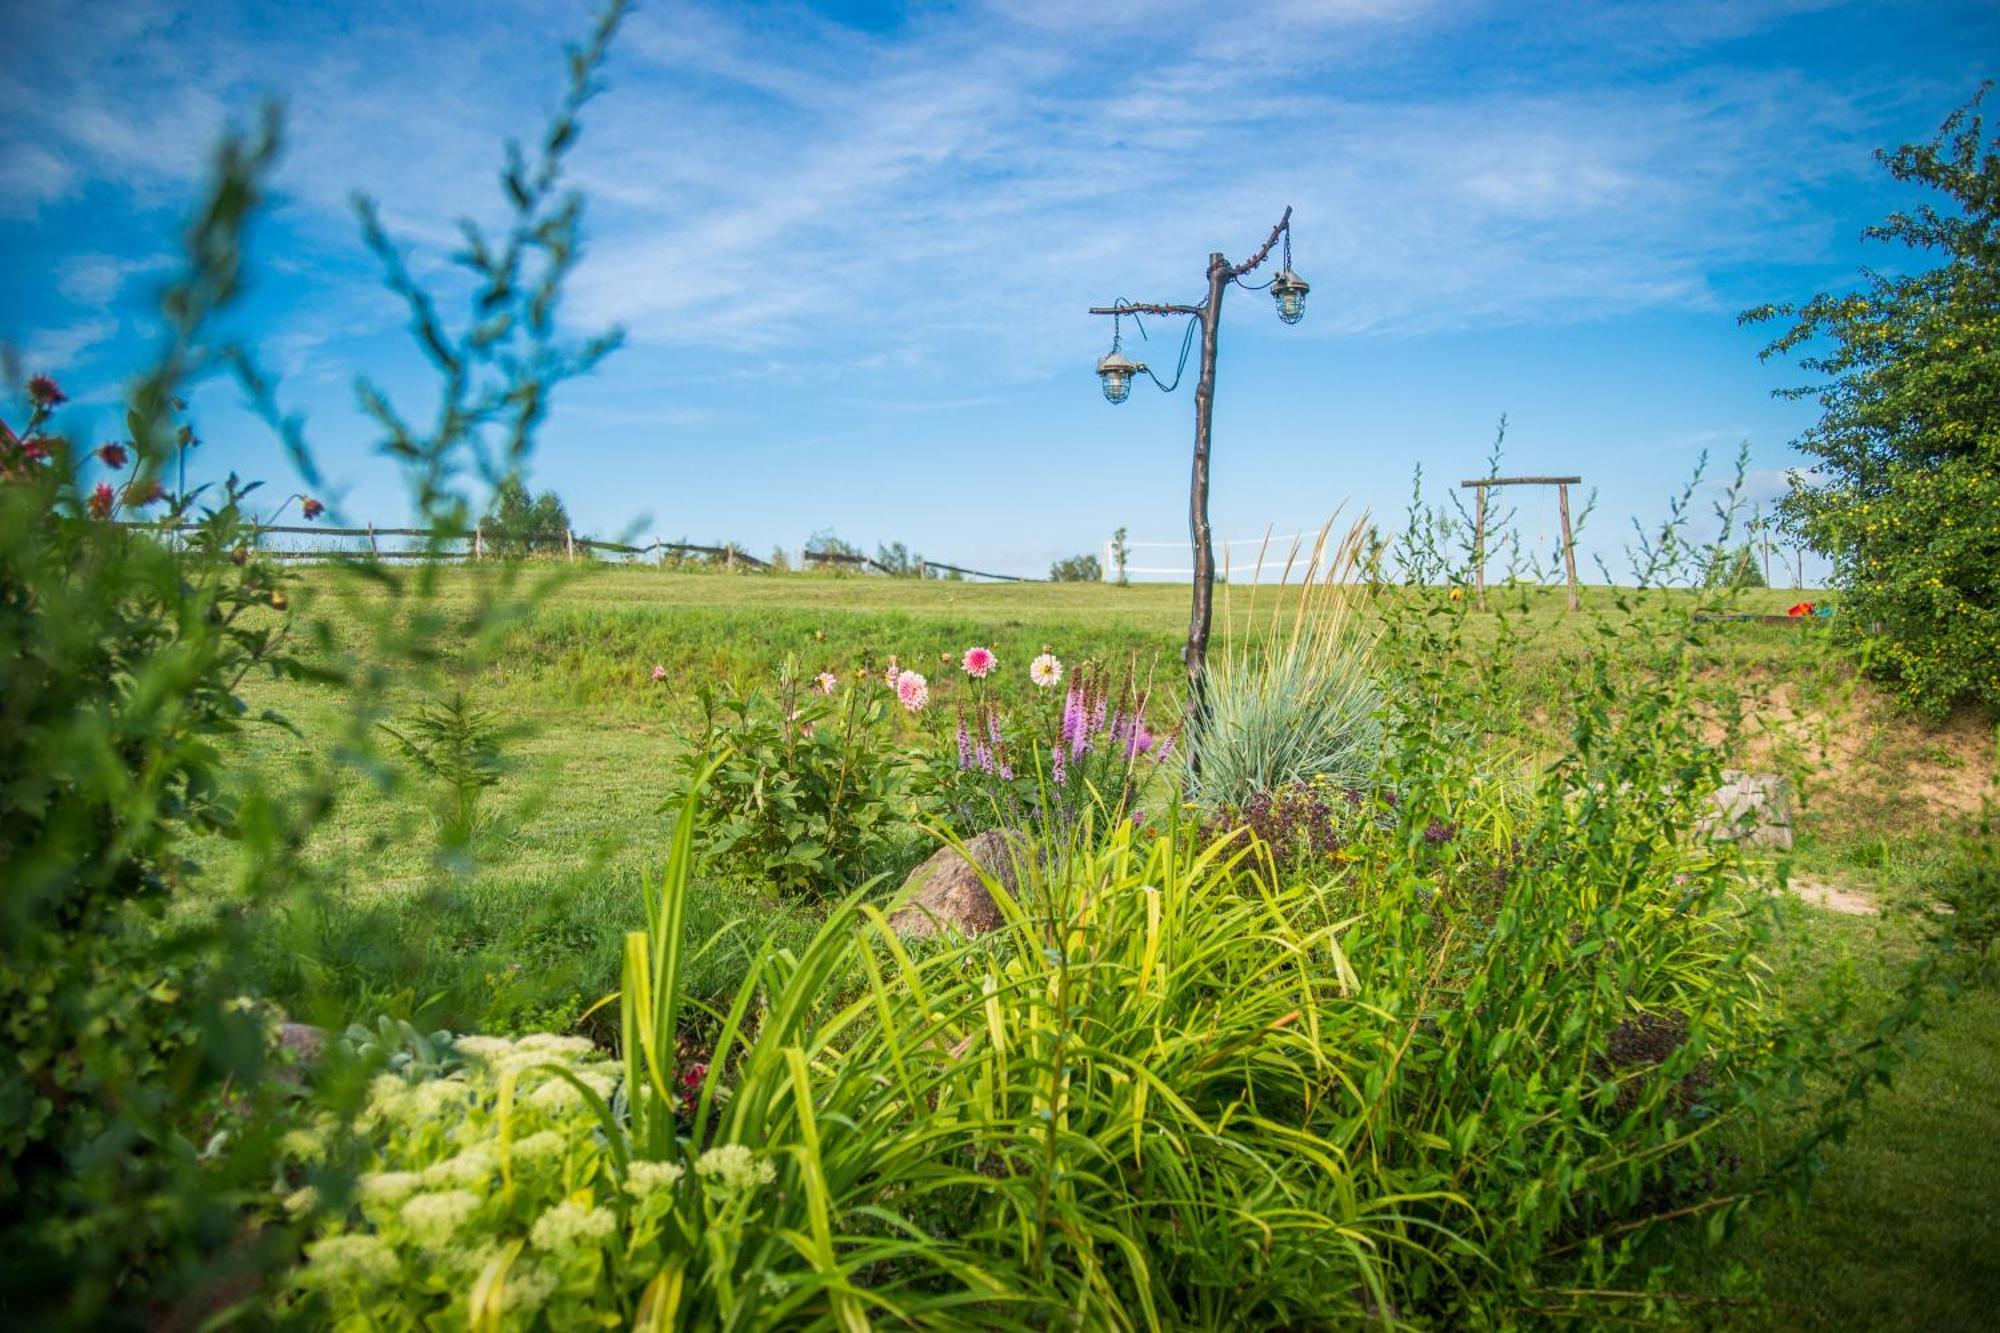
(1117, 371)
(1289, 290)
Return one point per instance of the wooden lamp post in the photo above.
(1117, 372)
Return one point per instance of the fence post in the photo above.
(569, 544)
(1569, 545)
(1479, 551)
(372, 548)
(478, 541)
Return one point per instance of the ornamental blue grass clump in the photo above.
(1290, 697)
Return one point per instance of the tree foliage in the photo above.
(897, 558)
(1904, 492)
(1734, 568)
(523, 525)
(1076, 569)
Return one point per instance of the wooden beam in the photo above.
(1569, 544)
(1523, 481)
(1479, 552)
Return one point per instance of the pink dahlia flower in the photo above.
(979, 662)
(912, 691)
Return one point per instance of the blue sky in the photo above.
(853, 246)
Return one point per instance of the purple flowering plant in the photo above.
(1088, 749)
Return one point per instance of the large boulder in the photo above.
(946, 892)
(1753, 807)
(302, 1041)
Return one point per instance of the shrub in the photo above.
(456, 744)
(813, 794)
(1904, 491)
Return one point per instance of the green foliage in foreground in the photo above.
(121, 659)
(138, 1118)
(1905, 488)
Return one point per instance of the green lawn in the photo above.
(1902, 1232)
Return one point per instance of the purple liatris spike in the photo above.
(964, 747)
(985, 757)
(1074, 719)
(1059, 770)
(1006, 771)
(993, 726)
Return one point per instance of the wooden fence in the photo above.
(478, 547)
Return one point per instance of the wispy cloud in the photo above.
(95, 279)
(55, 350)
(776, 185)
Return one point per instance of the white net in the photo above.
(1242, 560)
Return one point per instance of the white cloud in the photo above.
(30, 177)
(52, 351)
(96, 279)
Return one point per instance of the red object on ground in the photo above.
(1800, 609)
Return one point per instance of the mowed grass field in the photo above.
(1904, 1231)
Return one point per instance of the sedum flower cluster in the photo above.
(497, 1183)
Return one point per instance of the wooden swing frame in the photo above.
(1562, 485)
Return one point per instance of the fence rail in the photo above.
(478, 548)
